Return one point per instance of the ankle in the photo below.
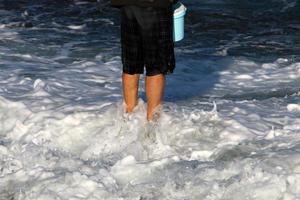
(154, 114)
(130, 108)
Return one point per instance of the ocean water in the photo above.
(229, 127)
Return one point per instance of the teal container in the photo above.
(179, 13)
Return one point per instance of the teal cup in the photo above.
(178, 25)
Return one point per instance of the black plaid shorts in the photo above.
(147, 40)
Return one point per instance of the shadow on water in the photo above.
(194, 78)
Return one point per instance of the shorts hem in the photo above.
(153, 73)
(133, 72)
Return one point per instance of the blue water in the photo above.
(231, 119)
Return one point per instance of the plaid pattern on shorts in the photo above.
(147, 40)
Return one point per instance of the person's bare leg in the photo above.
(130, 90)
(154, 92)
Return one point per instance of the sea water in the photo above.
(229, 127)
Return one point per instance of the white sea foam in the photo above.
(293, 107)
(53, 150)
(77, 27)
